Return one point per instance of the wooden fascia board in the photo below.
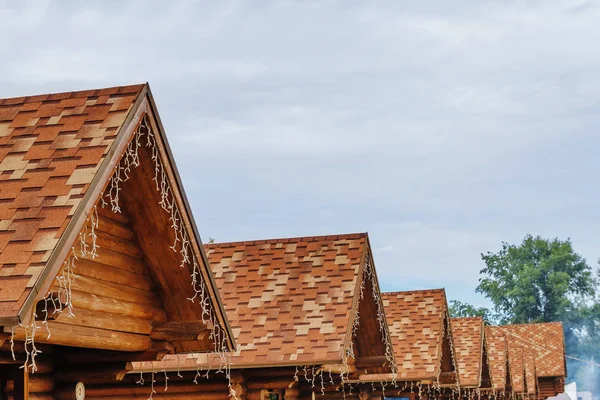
(69, 236)
(189, 218)
(204, 367)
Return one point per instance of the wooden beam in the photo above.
(156, 352)
(181, 331)
(93, 302)
(103, 320)
(374, 361)
(97, 373)
(79, 336)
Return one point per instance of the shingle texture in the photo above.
(546, 340)
(496, 348)
(530, 378)
(467, 334)
(50, 149)
(415, 321)
(517, 367)
(288, 300)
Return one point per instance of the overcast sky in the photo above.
(440, 127)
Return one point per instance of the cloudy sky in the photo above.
(442, 127)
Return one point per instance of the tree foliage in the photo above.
(458, 309)
(544, 280)
(539, 280)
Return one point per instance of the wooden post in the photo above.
(21, 391)
(292, 393)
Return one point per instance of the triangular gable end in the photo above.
(448, 375)
(139, 251)
(486, 379)
(370, 350)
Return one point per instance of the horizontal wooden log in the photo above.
(19, 346)
(96, 373)
(107, 273)
(118, 260)
(33, 396)
(115, 228)
(156, 352)
(181, 330)
(281, 383)
(113, 291)
(93, 302)
(367, 362)
(160, 394)
(447, 378)
(262, 372)
(79, 336)
(114, 243)
(103, 320)
(106, 212)
(116, 389)
(40, 383)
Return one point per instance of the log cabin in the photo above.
(497, 351)
(99, 253)
(423, 346)
(546, 342)
(471, 355)
(306, 314)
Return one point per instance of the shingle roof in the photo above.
(517, 367)
(415, 320)
(468, 341)
(496, 348)
(547, 342)
(530, 375)
(50, 149)
(288, 300)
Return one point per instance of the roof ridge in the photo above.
(467, 318)
(414, 291)
(529, 324)
(355, 235)
(118, 89)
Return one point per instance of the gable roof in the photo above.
(51, 146)
(290, 301)
(416, 323)
(497, 353)
(58, 153)
(468, 348)
(547, 342)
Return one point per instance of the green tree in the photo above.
(539, 280)
(544, 280)
(458, 309)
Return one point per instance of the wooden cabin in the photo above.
(306, 314)
(546, 342)
(497, 352)
(471, 355)
(99, 254)
(423, 347)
